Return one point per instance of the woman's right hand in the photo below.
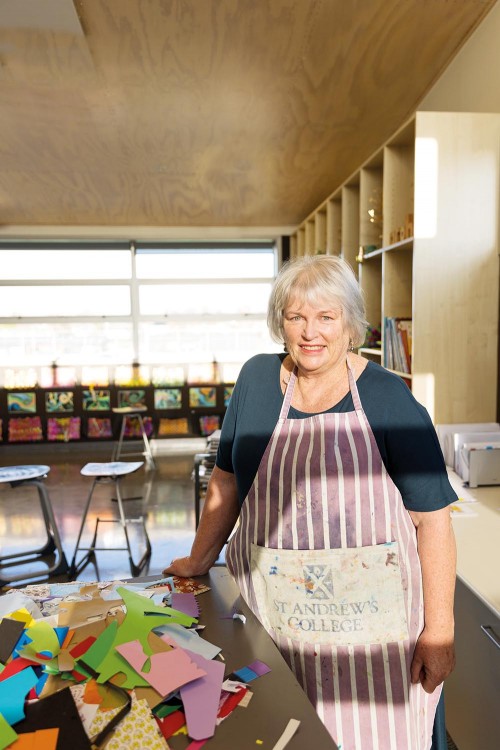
(183, 567)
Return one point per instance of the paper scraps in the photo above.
(252, 671)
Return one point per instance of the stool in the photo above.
(19, 476)
(104, 473)
(129, 413)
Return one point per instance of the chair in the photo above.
(129, 413)
(103, 473)
(32, 475)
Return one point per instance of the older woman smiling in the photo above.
(343, 547)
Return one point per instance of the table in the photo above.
(472, 691)
(277, 696)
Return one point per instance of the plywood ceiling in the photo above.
(206, 112)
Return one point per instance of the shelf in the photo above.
(372, 352)
(401, 245)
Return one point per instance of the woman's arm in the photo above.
(220, 513)
(434, 656)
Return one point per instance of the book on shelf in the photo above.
(397, 344)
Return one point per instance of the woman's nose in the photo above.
(309, 330)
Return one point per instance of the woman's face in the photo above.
(315, 335)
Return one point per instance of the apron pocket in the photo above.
(350, 596)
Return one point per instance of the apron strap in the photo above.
(287, 400)
(353, 386)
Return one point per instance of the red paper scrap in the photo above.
(171, 723)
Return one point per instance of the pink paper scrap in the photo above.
(169, 669)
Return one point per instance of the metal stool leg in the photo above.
(117, 450)
(135, 568)
(52, 544)
(148, 455)
(73, 568)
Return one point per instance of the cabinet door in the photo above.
(472, 692)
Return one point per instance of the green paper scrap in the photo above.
(7, 734)
(141, 617)
(43, 640)
(165, 709)
(96, 653)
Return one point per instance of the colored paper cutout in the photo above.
(7, 734)
(171, 724)
(42, 739)
(229, 701)
(57, 708)
(137, 729)
(141, 617)
(185, 603)
(168, 670)
(79, 612)
(43, 643)
(15, 666)
(178, 636)
(10, 632)
(201, 698)
(13, 692)
(252, 671)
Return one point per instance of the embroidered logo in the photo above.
(318, 581)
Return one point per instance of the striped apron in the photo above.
(325, 554)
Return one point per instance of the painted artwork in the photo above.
(132, 427)
(168, 427)
(168, 398)
(63, 429)
(57, 401)
(25, 430)
(202, 396)
(96, 400)
(209, 424)
(24, 402)
(99, 427)
(132, 398)
(228, 392)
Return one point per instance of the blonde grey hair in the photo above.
(315, 279)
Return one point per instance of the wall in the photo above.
(471, 81)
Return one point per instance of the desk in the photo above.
(472, 692)
(277, 696)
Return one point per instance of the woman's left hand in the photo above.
(433, 660)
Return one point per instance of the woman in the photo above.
(344, 547)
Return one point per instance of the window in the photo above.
(81, 304)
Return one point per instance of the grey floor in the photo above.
(165, 499)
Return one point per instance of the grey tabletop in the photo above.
(277, 696)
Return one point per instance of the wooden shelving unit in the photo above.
(418, 222)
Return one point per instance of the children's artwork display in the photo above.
(132, 427)
(209, 424)
(96, 400)
(25, 430)
(131, 398)
(228, 392)
(168, 398)
(99, 428)
(24, 402)
(57, 401)
(169, 427)
(63, 429)
(204, 396)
